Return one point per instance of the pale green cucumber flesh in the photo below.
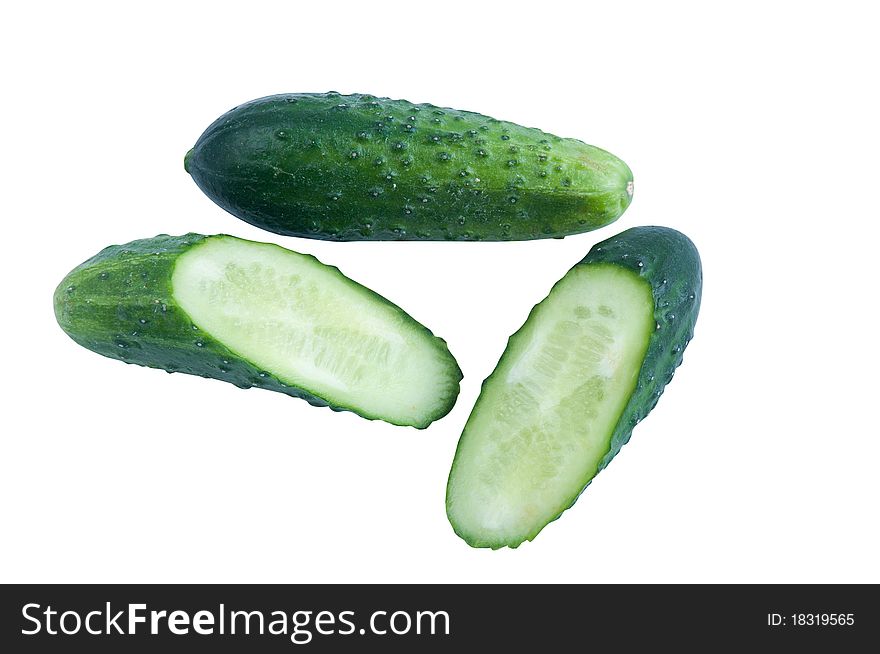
(311, 327)
(545, 417)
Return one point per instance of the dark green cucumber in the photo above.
(357, 167)
(255, 314)
(588, 365)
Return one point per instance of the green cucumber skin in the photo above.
(668, 261)
(120, 304)
(357, 167)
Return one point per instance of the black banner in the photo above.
(420, 618)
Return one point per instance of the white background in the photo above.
(753, 130)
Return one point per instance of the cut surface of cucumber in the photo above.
(311, 327)
(544, 419)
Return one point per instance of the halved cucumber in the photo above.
(588, 364)
(255, 314)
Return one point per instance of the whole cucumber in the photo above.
(358, 167)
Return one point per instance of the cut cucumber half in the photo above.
(255, 314)
(571, 385)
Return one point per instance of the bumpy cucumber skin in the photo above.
(668, 261)
(120, 304)
(357, 167)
